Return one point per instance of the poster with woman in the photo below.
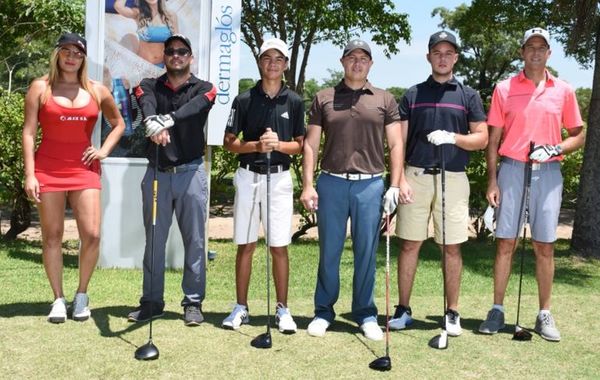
(134, 35)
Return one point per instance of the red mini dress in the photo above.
(66, 134)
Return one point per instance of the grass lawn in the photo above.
(103, 347)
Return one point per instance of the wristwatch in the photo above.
(558, 149)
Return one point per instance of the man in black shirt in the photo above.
(175, 106)
(271, 119)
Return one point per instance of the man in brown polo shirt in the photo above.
(356, 119)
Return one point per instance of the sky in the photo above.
(410, 66)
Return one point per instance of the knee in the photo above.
(544, 251)
(410, 248)
(453, 252)
(279, 252)
(90, 239)
(52, 238)
(505, 247)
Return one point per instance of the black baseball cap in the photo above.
(73, 39)
(181, 38)
(442, 36)
(357, 44)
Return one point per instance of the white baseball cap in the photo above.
(274, 43)
(539, 32)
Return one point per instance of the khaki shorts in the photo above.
(413, 219)
(250, 207)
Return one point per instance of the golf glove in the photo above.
(440, 137)
(542, 153)
(157, 123)
(390, 200)
(489, 219)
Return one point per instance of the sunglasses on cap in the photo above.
(182, 52)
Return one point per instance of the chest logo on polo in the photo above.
(285, 115)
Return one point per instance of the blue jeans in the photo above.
(340, 199)
(185, 194)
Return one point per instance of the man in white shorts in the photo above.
(271, 119)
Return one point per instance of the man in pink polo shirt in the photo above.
(532, 106)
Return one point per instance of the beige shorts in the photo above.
(250, 207)
(413, 219)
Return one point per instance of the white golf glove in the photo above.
(157, 123)
(542, 153)
(390, 200)
(440, 137)
(489, 219)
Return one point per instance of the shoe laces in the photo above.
(547, 320)
(401, 309)
(452, 315)
(239, 311)
(192, 309)
(282, 311)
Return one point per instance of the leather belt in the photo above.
(353, 176)
(262, 169)
(420, 171)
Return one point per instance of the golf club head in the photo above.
(383, 363)
(147, 352)
(521, 334)
(439, 342)
(262, 341)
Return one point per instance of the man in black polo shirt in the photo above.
(271, 119)
(175, 106)
(439, 111)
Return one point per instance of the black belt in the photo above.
(420, 171)
(179, 168)
(262, 169)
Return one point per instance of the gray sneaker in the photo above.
(493, 323)
(545, 326)
(81, 311)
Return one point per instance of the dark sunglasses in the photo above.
(182, 52)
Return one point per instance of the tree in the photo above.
(303, 23)
(30, 29)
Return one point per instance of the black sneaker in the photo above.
(192, 315)
(143, 312)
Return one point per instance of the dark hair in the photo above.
(146, 14)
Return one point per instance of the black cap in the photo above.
(357, 44)
(73, 39)
(442, 36)
(181, 38)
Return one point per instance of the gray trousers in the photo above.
(186, 194)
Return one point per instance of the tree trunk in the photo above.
(20, 218)
(586, 228)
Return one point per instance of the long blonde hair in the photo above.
(82, 77)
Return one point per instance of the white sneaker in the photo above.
(452, 321)
(371, 329)
(318, 327)
(58, 313)
(284, 320)
(238, 317)
(81, 310)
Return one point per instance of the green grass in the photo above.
(103, 347)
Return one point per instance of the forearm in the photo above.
(28, 143)
(309, 159)
(574, 141)
(113, 137)
(472, 141)
(290, 147)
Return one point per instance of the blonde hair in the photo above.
(54, 75)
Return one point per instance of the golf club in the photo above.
(440, 342)
(384, 363)
(264, 340)
(522, 334)
(149, 351)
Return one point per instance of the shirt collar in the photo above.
(549, 77)
(165, 81)
(342, 87)
(433, 83)
(282, 91)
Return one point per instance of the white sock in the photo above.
(543, 311)
(498, 307)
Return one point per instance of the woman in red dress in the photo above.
(66, 166)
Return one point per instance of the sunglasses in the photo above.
(182, 52)
(71, 53)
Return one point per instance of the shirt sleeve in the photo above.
(404, 107)
(392, 113)
(476, 112)
(496, 114)
(571, 117)
(146, 97)
(200, 103)
(235, 115)
(299, 127)
(315, 114)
